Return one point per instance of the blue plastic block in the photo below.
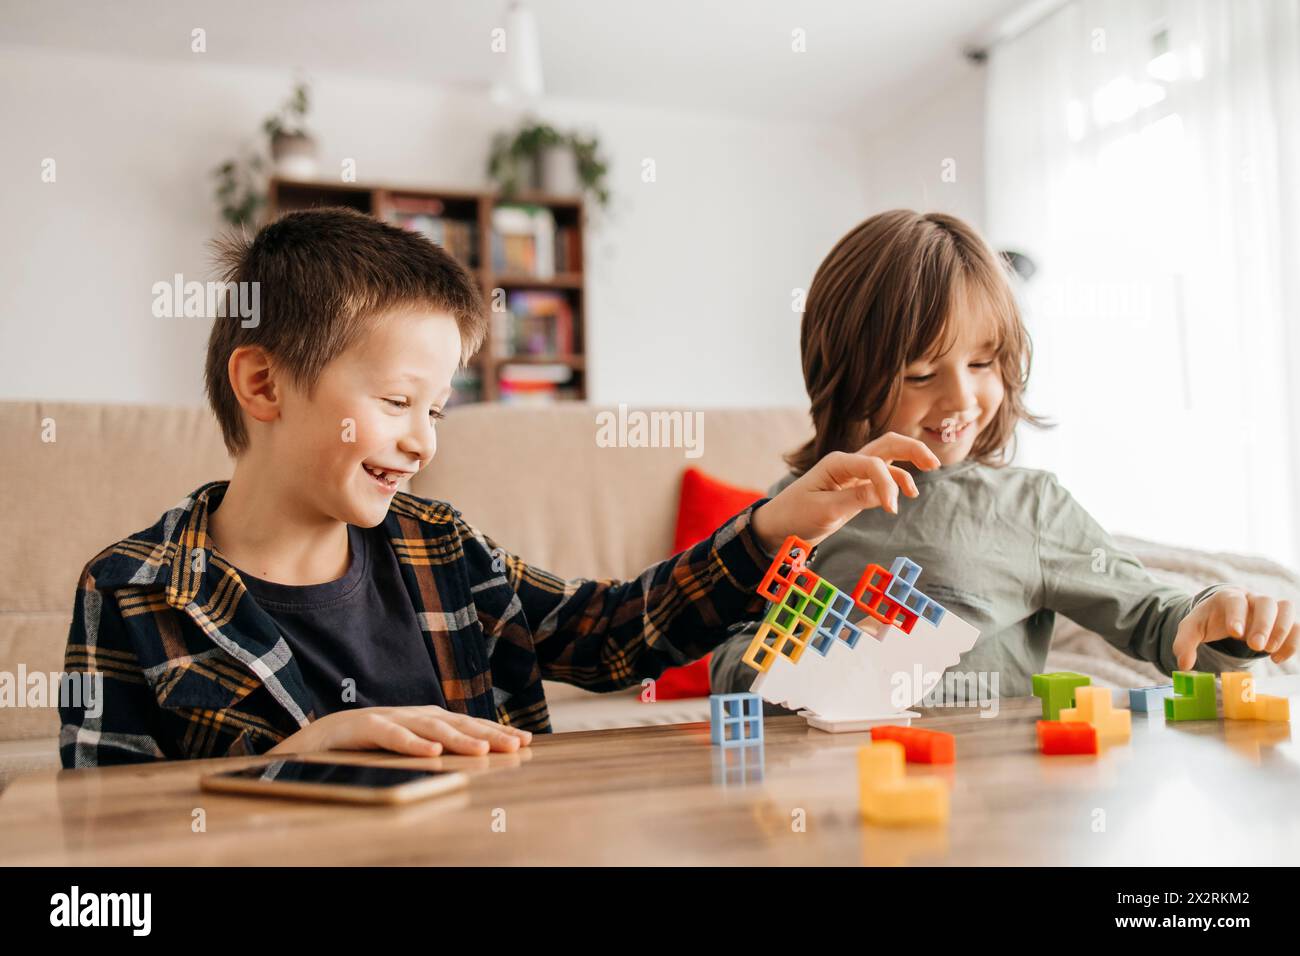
(934, 611)
(905, 569)
(916, 601)
(899, 590)
(821, 641)
(849, 634)
(735, 719)
(1147, 699)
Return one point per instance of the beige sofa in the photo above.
(533, 478)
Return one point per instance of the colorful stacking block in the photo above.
(1093, 706)
(1058, 737)
(1240, 702)
(787, 570)
(920, 745)
(1057, 691)
(1147, 699)
(735, 719)
(836, 625)
(1193, 697)
(889, 797)
(871, 597)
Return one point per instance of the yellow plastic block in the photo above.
(889, 797)
(1093, 706)
(1240, 702)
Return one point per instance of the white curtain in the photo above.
(1146, 156)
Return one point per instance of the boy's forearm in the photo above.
(607, 635)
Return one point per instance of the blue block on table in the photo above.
(735, 719)
(1147, 699)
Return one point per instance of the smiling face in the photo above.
(369, 422)
(947, 400)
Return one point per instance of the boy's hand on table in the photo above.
(415, 731)
(1262, 622)
(820, 501)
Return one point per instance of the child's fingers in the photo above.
(1231, 610)
(1191, 632)
(435, 728)
(391, 735)
(847, 470)
(895, 447)
(905, 481)
(1290, 644)
(488, 730)
(1263, 614)
(877, 472)
(1282, 627)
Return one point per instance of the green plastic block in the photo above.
(1057, 691)
(1193, 697)
(797, 605)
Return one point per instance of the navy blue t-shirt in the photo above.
(361, 627)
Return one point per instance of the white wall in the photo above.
(690, 277)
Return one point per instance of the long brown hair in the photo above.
(883, 298)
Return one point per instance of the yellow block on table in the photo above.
(889, 797)
(1092, 705)
(1240, 702)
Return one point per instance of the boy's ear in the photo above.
(253, 380)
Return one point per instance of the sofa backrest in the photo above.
(534, 479)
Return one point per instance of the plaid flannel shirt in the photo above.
(193, 667)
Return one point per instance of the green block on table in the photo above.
(1057, 691)
(1193, 697)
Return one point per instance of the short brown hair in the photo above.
(882, 299)
(323, 275)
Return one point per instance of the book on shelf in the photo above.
(428, 217)
(535, 322)
(523, 241)
(535, 384)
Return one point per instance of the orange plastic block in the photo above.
(787, 568)
(1092, 705)
(889, 797)
(1060, 737)
(1240, 702)
(920, 745)
(869, 597)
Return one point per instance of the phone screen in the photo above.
(335, 774)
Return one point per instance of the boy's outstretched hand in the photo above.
(822, 499)
(1263, 623)
(421, 731)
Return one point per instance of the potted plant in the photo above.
(241, 183)
(292, 148)
(538, 156)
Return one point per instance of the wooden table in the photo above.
(1212, 792)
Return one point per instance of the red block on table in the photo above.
(920, 745)
(1066, 737)
(869, 597)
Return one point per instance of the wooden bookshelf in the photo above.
(476, 207)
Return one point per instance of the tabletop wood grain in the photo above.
(1211, 792)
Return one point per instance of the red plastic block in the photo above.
(869, 597)
(920, 745)
(1073, 737)
(786, 570)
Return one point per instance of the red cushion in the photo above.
(705, 504)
